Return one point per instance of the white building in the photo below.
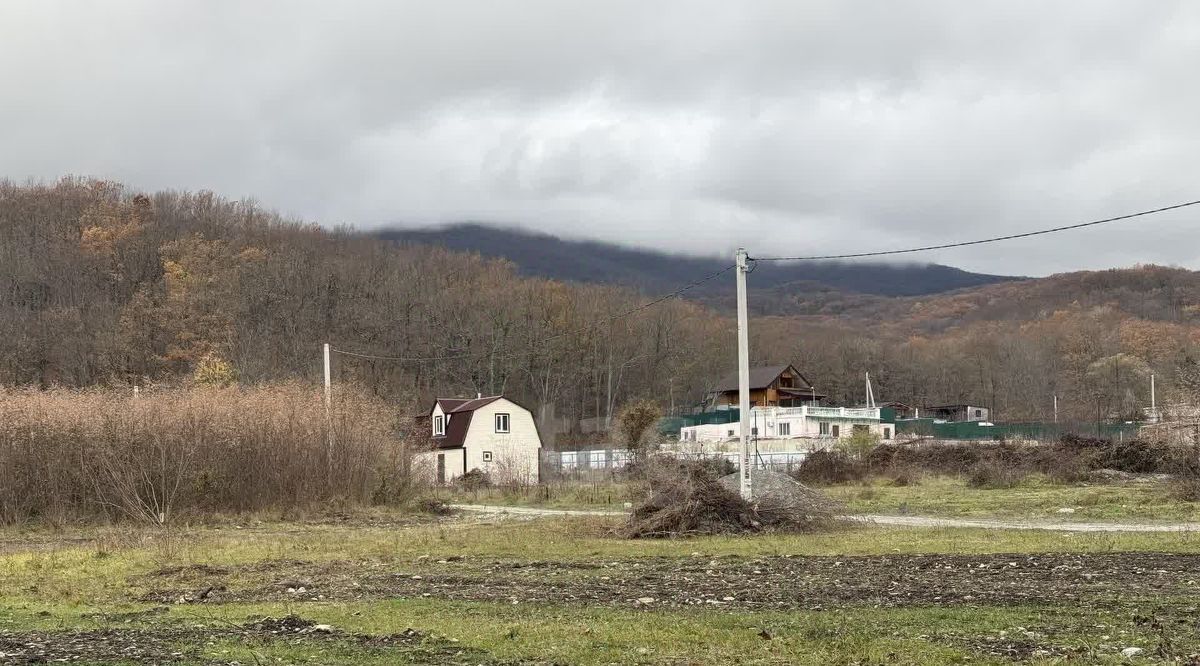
(494, 435)
(790, 428)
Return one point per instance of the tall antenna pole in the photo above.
(870, 393)
(744, 374)
(1056, 408)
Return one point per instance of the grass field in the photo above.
(394, 589)
(1034, 498)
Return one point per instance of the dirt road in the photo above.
(903, 521)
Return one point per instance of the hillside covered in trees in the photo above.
(543, 255)
(102, 286)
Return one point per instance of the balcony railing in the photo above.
(820, 412)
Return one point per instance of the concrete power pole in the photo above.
(328, 412)
(1153, 404)
(746, 470)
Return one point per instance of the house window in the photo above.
(979, 413)
(502, 423)
(731, 433)
(836, 431)
(783, 429)
(439, 425)
(487, 456)
(825, 428)
(887, 433)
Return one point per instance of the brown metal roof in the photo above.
(761, 377)
(460, 410)
(450, 404)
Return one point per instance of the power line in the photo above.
(984, 240)
(620, 315)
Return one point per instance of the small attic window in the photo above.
(502, 423)
(439, 425)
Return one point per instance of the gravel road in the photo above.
(903, 521)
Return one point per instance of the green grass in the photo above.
(81, 575)
(603, 494)
(77, 585)
(1034, 498)
(550, 633)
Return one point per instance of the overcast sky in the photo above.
(789, 127)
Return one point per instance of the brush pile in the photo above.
(684, 498)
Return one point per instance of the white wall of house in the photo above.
(514, 454)
(434, 423)
(425, 464)
(786, 423)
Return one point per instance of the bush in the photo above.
(993, 475)
(830, 467)
(473, 480)
(905, 477)
(105, 454)
(1185, 485)
(635, 419)
(433, 506)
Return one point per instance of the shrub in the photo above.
(859, 444)
(905, 477)
(994, 474)
(105, 454)
(635, 419)
(214, 371)
(473, 480)
(830, 467)
(433, 506)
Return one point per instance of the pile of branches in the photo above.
(685, 498)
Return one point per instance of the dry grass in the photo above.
(103, 454)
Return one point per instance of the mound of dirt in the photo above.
(685, 498)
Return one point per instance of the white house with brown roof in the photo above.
(492, 434)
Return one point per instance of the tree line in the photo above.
(103, 286)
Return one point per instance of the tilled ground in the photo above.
(765, 583)
(187, 644)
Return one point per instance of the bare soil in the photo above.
(764, 583)
(178, 644)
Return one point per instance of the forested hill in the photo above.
(103, 286)
(543, 255)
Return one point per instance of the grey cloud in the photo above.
(799, 127)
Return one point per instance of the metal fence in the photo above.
(972, 430)
(598, 463)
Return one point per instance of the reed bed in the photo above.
(69, 455)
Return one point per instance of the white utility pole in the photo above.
(1153, 404)
(744, 374)
(328, 412)
(328, 385)
(1056, 408)
(870, 393)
